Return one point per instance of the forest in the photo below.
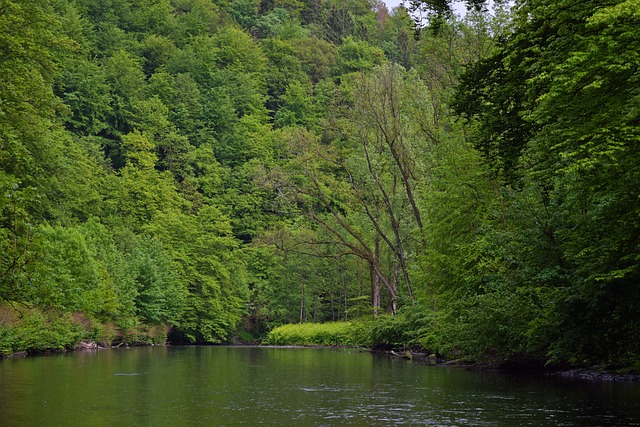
(203, 171)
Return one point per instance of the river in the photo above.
(229, 386)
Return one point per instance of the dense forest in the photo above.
(208, 170)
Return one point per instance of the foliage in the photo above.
(310, 334)
(566, 133)
(414, 326)
(218, 169)
(39, 330)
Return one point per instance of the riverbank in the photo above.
(397, 336)
(27, 330)
(594, 373)
(598, 375)
(34, 332)
(81, 346)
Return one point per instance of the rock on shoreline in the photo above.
(594, 375)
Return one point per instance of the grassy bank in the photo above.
(34, 330)
(415, 332)
(344, 334)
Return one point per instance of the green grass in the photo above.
(344, 334)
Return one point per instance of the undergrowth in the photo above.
(33, 330)
(347, 334)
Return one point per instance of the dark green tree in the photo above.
(555, 107)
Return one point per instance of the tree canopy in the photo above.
(209, 170)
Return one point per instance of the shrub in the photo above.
(323, 334)
(413, 326)
(38, 330)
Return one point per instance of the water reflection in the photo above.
(206, 386)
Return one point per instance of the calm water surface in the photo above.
(218, 386)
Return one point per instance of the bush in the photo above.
(36, 330)
(413, 326)
(7, 340)
(501, 325)
(143, 334)
(348, 334)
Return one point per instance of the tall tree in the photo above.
(568, 91)
(314, 180)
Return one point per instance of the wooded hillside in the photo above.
(214, 168)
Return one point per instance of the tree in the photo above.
(397, 37)
(38, 161)
(284, 69)
(440, 9)
(587, 152)
(196, 17)
(314, 181)
(297, 107)
(389, 147)
(354, 56)
(208, 269)
(569, 91)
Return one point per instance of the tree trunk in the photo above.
(302, 303)
(375, 281)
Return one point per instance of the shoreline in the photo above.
(586, 374)
(594, 373)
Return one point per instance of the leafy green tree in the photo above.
(354, 56)
(117, 290)
(502, 133)
(397, 37)
(83, 88)
(151, 16)
(278, 23)
(229, 70)
(209, 270)
(159, 295)
(183, 98)
(173, 151)
(208, 174)
(313, 180)
(196, 17)
(297, 108)
(126, 80)
(38, 161)
(316, 56)
(157, 51)
(592, 165)
(245, 12)
(555, 76)
(139, 193)
(337, 22)
(17, 235)
(284, 69)
(28, 67)
(62, 272)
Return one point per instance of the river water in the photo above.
(228, 386)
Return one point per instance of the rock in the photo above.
(597, 375)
